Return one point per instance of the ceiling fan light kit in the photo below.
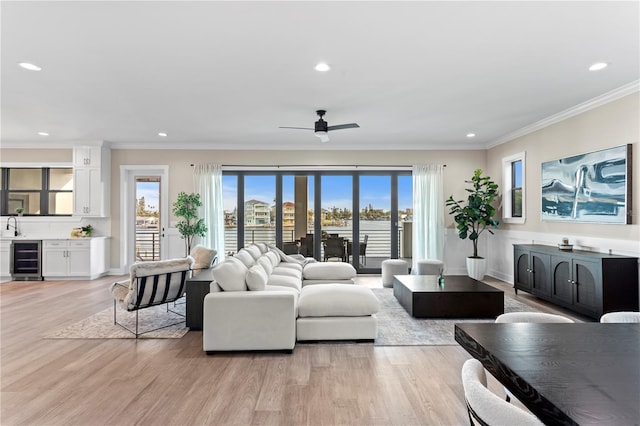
(322, 127)
(324, 137)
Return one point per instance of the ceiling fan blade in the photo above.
(301, 128)
(343, 126)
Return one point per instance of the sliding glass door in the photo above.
(360, 217)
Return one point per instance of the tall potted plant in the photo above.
(186, 207)
(474, 217)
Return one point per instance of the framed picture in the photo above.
(593, 187)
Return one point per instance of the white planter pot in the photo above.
(476, 267)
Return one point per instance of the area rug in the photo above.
(101, 326)
(397, 328)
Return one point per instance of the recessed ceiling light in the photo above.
(598, 66)
(322, 67)
(43, 133)
(471, 135)
(29, 66)
(163, 134)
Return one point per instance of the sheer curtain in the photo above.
(428, 213)
(207, 181)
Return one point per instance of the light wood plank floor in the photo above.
(172, 381)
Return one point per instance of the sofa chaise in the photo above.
(264, 299)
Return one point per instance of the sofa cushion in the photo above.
(337, 300)
(263, 247)
(266, 264)
(314, 282)
(273, 257)
(328, 271)
(233, 259)
(294, 266)
(280, 270)
(282, 288)
(254, 251)
(256, 278)
(245, 257)
(230, 275)
(202, 256)
(292, 258)
(285, 281)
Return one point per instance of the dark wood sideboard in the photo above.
(586, 282)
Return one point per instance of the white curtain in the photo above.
(428, 213)
(207, 181)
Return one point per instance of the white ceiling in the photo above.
(413, 75)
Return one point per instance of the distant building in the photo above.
(288, 213)
(230, 218)
(257, 213)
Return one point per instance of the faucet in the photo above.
(15, 225)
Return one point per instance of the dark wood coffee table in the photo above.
(459, 297)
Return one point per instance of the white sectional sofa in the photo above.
(263, 299)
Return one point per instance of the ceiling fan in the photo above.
(322, 127)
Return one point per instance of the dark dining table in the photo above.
(566, 374)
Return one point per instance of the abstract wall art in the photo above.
(593, 187)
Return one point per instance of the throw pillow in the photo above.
(203, 256)
(254, 251)
(266, 264)
(257, 278)
(230, 275)
(273, 257)
(245, 257)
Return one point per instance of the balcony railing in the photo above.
(147, 244)
(378, 244)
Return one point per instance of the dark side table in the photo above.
(197, 288)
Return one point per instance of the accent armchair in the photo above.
(151, 284)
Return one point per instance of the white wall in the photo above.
(614, 124)
(460, 166)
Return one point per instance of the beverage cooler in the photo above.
(26, 260)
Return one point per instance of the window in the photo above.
(514, 188)
(37, 191)
(299, 210)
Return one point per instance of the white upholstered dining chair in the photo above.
(485, 407)
(623, 316)
(540, 317)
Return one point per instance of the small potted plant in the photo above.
(87, 230)
(474, 217)
(20, 211)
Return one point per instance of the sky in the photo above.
(336, 191)
(150, 192)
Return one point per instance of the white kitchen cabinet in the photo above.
(91, 181)
(5, 270)
(74, 258)
(87, 156)
(89, 199)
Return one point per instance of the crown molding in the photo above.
(38, 144)
(583, 107)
